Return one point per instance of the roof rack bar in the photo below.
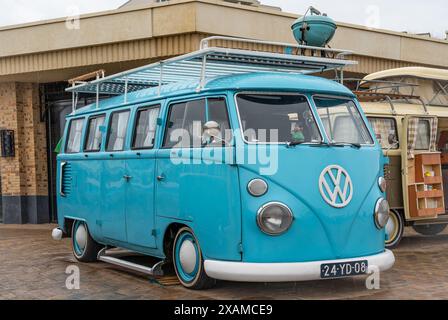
(97, 95)
(126, 84)
(95, 74)
(203, 71)
(392, 107)
(204, 44)
(425, 108)
(160, 79)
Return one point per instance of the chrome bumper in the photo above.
(285, 272)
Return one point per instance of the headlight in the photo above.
(381, 213)
(382, 184)
(274, 218)
(257, 187)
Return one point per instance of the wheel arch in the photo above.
(68, 224)
(169, 236)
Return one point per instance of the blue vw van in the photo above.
(254, 176)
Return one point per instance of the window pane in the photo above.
(385, 132)
(423, 135)
(117, 131)
(145, 130)
(94, 135)
(277, 118)
(184, 127)
(342, 121)
(217, 111)
(74, 136)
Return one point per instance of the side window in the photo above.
(186, 120)
(117, 131)
(94, 134)
(423, 135)
(385, 131)
(145, 128)
(74, 136)
(184, 126)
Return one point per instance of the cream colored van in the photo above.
(408, 110)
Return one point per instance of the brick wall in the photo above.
(25, 175)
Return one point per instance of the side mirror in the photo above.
(392, 139)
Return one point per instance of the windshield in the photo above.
(342, 121)
(277, 118)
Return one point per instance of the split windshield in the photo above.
(272, 118)
(342, 121)
(287, 118)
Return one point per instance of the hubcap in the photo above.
(188, 256)
(81, 237)
(392, 228)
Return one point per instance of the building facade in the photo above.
(34, 72)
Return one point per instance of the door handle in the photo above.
(160, 178)
(127, 178)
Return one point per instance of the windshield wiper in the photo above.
(325, 144)
(336, 144)
(311, 144)
(295, 143)
(320, 144)
(343, 144)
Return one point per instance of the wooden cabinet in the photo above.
(426, 196)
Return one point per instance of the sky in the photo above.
(414, 16)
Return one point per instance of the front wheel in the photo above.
(429, 229)
(188, 261)
(85, 249)
(394, 229)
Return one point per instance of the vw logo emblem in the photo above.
(336, 186)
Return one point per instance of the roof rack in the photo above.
(227, 56)
(368, 96)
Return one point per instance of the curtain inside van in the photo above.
(121, 130)
(412, 136)
(152, 125)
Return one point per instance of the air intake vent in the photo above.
(67, 178)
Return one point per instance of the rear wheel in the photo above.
(188, 261)
(394, 229)
(429, 229)
(85, 249)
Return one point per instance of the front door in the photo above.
(140, 176)
(197, 183)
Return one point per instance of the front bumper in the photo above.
(285, 272)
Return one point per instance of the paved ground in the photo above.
(32, 266)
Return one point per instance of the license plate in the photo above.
(343, 269)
